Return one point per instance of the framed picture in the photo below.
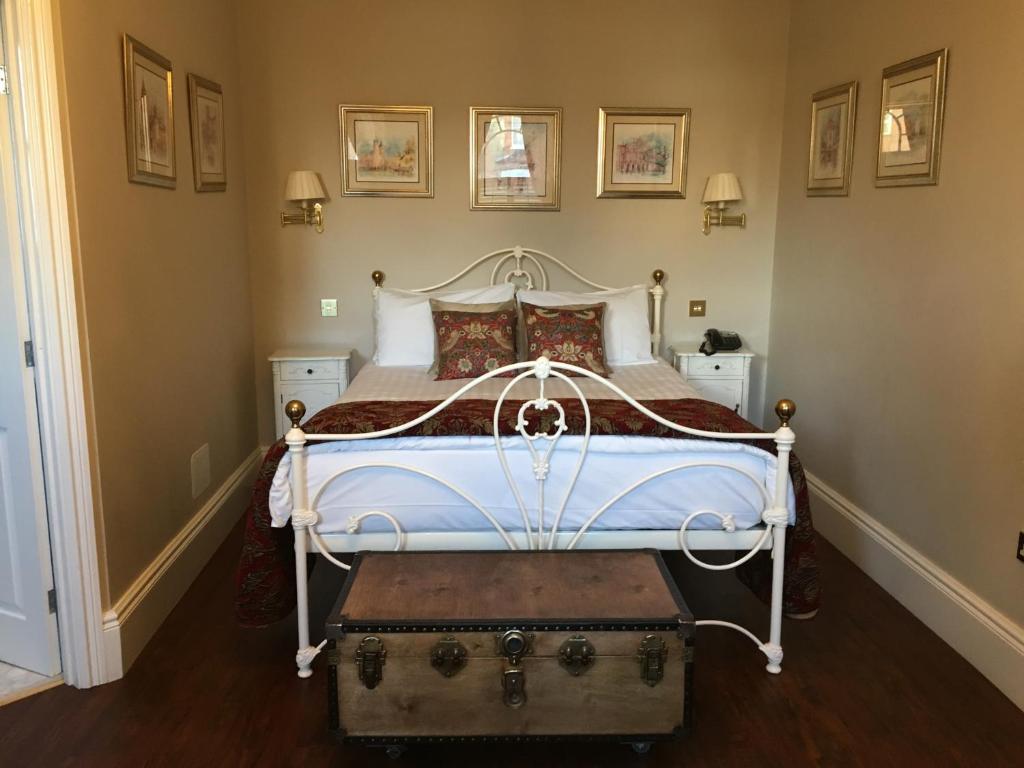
(148, 115)
(833, 117)
(910, 126)
(206, 119)
(387, 151)
(515, 158)
(642, 152)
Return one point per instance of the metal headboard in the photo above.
(528, 267)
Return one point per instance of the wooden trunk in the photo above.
(510, 646)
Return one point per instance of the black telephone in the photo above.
(719, 341)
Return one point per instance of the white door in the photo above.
(28, 630)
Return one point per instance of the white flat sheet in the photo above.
(649, 381)
(613, 464)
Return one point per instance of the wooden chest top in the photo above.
(586, 587)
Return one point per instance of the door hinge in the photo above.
(51, 598)
(5, 87)
(30, 355)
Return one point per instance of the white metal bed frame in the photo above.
(537, 533)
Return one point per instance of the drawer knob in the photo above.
(310, 371)
(717, 367)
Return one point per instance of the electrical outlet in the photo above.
(328, 307)
(200, 467)
(698, 307)
(1020, 546)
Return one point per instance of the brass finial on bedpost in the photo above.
(378, 277)
(295, 410)
(785, 409)
(658, 275)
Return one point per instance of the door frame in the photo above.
(45, 211)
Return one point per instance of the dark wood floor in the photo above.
(865, 683)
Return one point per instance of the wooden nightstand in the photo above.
(723, 377)
(316, 376)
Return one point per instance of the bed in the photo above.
(554, 457)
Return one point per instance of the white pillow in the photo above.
(404, 327)
(627, 329)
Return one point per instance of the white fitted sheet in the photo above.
(614, 462)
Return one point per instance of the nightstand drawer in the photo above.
(714, 365)
(309, 370)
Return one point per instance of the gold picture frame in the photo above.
(386, 151)
(206, 122)
(149, 115)
(910, 121)
(515, 158)
(642, 152)
(833, 124)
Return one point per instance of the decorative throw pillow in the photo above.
(471, 342)
(572, 334)
(627, 319)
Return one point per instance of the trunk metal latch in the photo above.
(513, 683)
(370, 658)
(448, 656)
(576, 655)
(652, 655)
(513, 645)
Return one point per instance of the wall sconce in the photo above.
(722, 188)
(305, 188)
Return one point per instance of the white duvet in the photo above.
(471, 465)
(613, 464)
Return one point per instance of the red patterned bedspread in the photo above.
(266, 573)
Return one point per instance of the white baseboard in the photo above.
(987, 638)
(140, 611)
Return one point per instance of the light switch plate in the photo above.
(698, 307)
(200, 467)
(328, 307)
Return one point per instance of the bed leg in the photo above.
(778, 518)
(301, 519)
(306, 653)
(773, 648)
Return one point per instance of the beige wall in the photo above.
(299, 61)
(896, 314)
(164, 276)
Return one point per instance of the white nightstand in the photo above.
(316, 376)
(723, 377)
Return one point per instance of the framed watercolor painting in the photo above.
(515, 158)
(642, 152)
(148, 115)
(910, 125)
(387, 151)
(833, 117)
(206, 119)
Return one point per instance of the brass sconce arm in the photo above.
(717, 217)
(311, 215)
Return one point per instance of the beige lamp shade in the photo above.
(722, 188)
(304, 185)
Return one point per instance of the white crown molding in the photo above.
(976, 629)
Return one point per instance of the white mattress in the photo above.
(614, 462)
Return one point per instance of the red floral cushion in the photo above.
(572, 334)
(471, 342)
